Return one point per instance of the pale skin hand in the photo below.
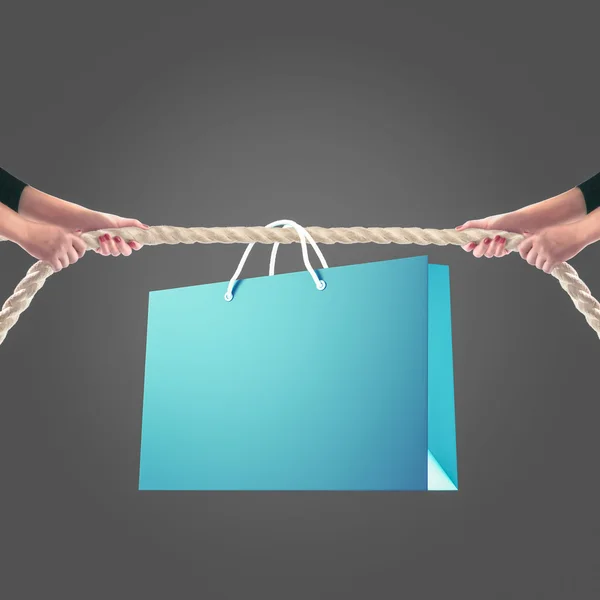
(552, 246)
(52, 244)
(49, 229)
(113, 246)
(556, 230)
(491, 247)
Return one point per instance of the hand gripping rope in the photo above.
(36, 276)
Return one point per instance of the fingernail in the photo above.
(487, 241)
(472, 245)
(117, 239)
(497, 238)
(77, 230)
(146, 226)
(502, 240)
(132, 244)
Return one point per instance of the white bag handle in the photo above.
(303, 235)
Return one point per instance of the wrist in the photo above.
(587, 229)
(14, 227)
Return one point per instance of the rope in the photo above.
(36, 276)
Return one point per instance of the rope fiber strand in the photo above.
(163, 234)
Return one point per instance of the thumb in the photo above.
(133, 223)
(476, 224)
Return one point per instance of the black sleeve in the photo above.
(591, 192)
(11, 189)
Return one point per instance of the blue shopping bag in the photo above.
(295, 386)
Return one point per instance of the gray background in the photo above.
(333, 115)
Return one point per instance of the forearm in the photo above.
(588, 229)
(562, 209)
(39, 206)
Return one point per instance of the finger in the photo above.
(55, 264)
(63, 259)
(133, 223)
(134, 245)
(72, 255)
(79, 245)
(499, 249)
(502, 251)
(501, 246)
(103, 244)
(525, 246)
(481, 248)
(106, 245)
(122, 246)
(112, 246)
(540, 261)
(477, 223)
(469, 247)
(532, 257)
(492, 247)
(547, 267)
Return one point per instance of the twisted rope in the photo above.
(36, 276)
